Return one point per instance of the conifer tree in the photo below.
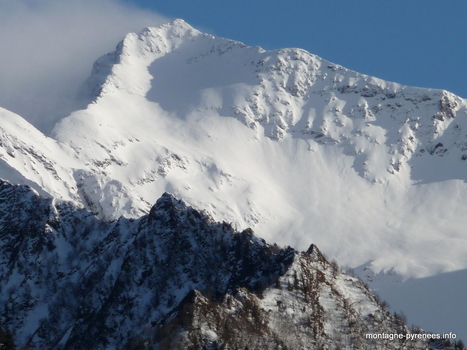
(6, 340)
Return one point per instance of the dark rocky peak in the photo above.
(94, 283)
(169, 209)
(310, 305)
(173, 279)
(231, 258)
(315, 253)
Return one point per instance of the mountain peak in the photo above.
(125, 69)
(172, 90)
(296, 147)
(177, 29)
(108, 284)
(178, 25)
(170, 209)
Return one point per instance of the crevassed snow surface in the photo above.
(298, 148)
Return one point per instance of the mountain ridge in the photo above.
(306, 118)
(122, 284)
(298, 148)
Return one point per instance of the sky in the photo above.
(48, 46)
(417, 42)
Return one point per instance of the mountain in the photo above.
(172, 279)
(298, 148)
(281, 141)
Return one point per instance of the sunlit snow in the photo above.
(300, 149)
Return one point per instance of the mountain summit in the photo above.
(299, 148)
(283, 141)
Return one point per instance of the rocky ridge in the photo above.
(171, 279)
(279, 141)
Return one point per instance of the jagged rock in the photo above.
(172, 279)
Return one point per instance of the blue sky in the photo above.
(413, 42)
(49, 46)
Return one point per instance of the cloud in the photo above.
(47, 49)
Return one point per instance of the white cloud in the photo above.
(47, 49)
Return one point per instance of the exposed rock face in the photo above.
(171, 279)
(312, 306)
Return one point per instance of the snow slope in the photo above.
(298, 148)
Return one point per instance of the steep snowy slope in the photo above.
(282, 141)
(298, 148)
(27, 156)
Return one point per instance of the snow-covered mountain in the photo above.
(173, 279)
(298, 148)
